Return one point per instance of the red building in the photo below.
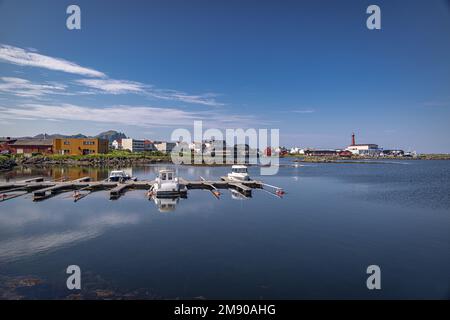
(345, 154)
(5, 145)
(30, 146)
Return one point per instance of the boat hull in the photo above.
(173, 190)
(170, 194)
(238, 178)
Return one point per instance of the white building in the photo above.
(364, 149)
(165, 146)
(297, 150)
(134, 145)
(197, 147)
(368, 149)
(117, 144)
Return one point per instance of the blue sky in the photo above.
(310, 68)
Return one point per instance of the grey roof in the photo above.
(33, 142)
(3, 139)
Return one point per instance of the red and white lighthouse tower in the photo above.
(353, 139)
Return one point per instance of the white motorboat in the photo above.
(167, 184)
(239, 173)
(118, 176)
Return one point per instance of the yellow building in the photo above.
(80, 146)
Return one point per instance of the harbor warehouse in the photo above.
(30, 146)
(83, 146)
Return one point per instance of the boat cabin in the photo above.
(238, 172)
(167, 175)
(239, 169)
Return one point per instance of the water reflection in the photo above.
(60, 230)
(166, 204)
(236, 195)
(349, 216)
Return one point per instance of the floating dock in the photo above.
(41, 189)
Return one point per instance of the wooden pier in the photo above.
(41, 189)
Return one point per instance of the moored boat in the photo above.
(167, 184)
(239, 173)
(118, 176)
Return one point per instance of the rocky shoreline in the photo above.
(95, 162)
(7, 164)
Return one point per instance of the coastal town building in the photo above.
(297, 150)
(344, 153)
(364, 149)
(149, 146)
(197, 147)
(5, 145)
(320, 153)
(7, 140)
(368, 149)
(165, 147)
(393, 153)
(31, 146)
(133, 145)
(117, 144)
(216, 148)
(80, 146)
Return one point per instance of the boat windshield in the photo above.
(239, 170)
(166, 175)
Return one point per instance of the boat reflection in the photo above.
(166, 204)
(236, 195)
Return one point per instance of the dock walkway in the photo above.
(42, 189)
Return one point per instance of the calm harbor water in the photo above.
(315, 242)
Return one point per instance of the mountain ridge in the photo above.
(109, 135)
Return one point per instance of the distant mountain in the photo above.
(111, 135)
(57, 135)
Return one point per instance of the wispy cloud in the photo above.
(304, 111)
(24, 57)
(142, 116)
(24, 88)
(113, 86)
(207, 99)
(101, 84)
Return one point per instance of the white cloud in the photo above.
(23, 57)
(142, 116)
(17, 247)
(24, 88)
(304, 111)
(112, 86)
(29, 57)
(204, 99)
